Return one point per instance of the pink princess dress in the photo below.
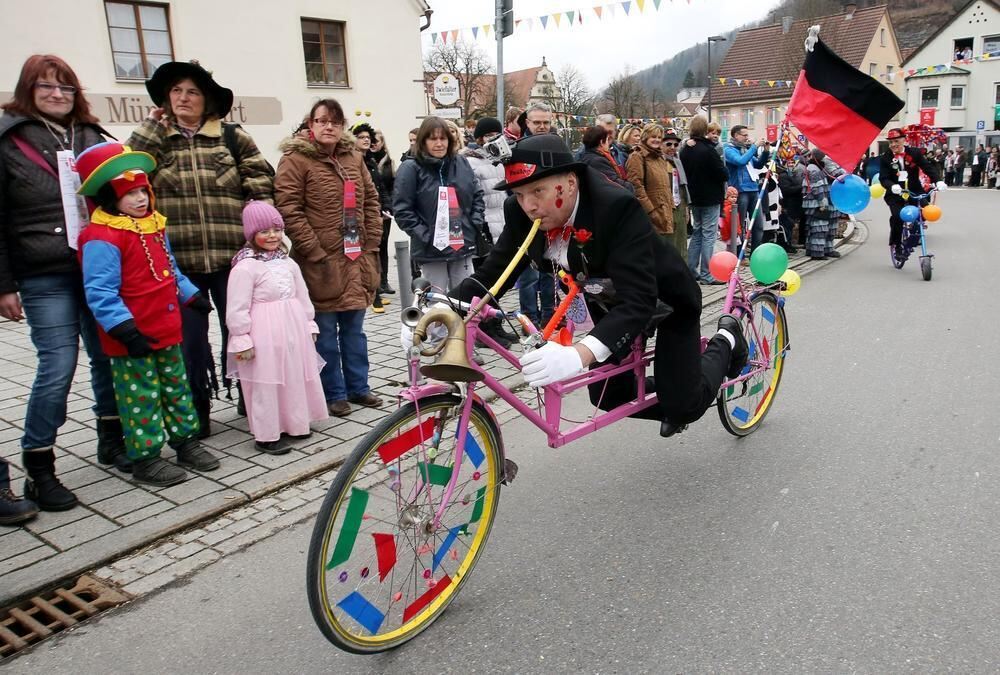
(268, 310)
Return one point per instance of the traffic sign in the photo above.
(448, 113)
(980, 125)
(445, 88)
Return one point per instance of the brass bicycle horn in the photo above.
(452, 364)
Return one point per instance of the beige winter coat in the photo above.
(652, 176)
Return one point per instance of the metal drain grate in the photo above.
(43, 615)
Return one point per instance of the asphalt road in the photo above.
(854, 532)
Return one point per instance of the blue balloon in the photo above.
(909, 213)
(850, 195)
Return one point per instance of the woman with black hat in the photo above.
(206, 170)
(596, 229)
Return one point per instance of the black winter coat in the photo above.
(600, 163)
(415, 199)
(706, 174)
(32, 226)
(623, 248)
(913, 159)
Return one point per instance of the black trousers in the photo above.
(895, 204)
(687, 381)
(383, 252)
(198, 358)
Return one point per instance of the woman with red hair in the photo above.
(47, 124)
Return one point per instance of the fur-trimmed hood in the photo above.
(308, 148)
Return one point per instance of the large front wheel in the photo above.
(744, 404)
(381, 566)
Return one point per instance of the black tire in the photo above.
(338, 631)
(926, 268)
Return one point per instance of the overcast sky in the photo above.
(599, 48)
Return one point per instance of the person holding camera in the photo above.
(741, 153)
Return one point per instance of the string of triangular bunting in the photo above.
(747, 82)
(939, 68)
(558, 20)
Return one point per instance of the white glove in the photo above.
(552, 363)
(405, 338)
(896, 190)
(941, 185)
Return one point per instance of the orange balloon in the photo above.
(932, 212)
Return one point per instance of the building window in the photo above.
(724, 115)
(773, 116)
(929, 97)
(963, 49)
(996, 95)
(325, 52)
(888, 73)
(140, 38)
(958, 97)
(991, 44)
(873, 69)
(748, 117)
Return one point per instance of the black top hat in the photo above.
(536, 157)
(218, 99)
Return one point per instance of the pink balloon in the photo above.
(721, 265)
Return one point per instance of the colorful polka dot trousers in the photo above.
(154, 401)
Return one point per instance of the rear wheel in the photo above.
(744, 404)
(380, 570)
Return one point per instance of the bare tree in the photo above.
(574, 96)
(471, 67)
(625, 94)
(511, 97)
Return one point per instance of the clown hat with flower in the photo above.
(114, 163)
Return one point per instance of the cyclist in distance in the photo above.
(899, 171)
(600, 234)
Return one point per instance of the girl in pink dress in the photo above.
(271, 335)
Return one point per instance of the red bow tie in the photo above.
(564, 233)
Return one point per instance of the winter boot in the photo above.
(158, 472)
(111, 444)
(13, 510)
(193, 455)
(204, 408)
(41, 486)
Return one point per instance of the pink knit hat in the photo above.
(259, 216)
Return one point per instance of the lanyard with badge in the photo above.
(351, 231)
(448, 222)
(75, 212)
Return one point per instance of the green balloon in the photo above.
(768, 262)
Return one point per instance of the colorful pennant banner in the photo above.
(554, 21)
(939, 68)
(745, 82)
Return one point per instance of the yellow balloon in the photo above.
(878, 191)
(792, 282)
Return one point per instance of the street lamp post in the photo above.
(713, 38)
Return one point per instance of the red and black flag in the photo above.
(838, 108)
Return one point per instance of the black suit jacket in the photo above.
(914, 159)
(623, 248)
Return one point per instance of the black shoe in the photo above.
(899, 252)
(741, 352)
(203, 409)
(111, 444)
(15, 510)
(158, 472)
(817, 257)
(386, 289)
(668, 428)
(42, 486)
(790, 249)
(278, 447)
(193, 455)
(833, 254)
(299, 437)
(495, 331)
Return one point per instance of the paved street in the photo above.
(853, 532)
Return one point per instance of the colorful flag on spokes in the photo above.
(838, 108)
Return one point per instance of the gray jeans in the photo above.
(447, 275)
(705, 226)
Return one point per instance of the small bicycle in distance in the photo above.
(410, 511)
(915, 234)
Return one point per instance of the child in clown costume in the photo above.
(135, 290)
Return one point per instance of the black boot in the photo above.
(41, 486)
(193, 455)
(14, 510)
(111, 444)
(204, 407)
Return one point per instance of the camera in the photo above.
(498, 149)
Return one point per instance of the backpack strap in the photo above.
(229, 137)
(33, 155)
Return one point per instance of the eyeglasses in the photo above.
(328, 123)
(670, 145)
(48, 88)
